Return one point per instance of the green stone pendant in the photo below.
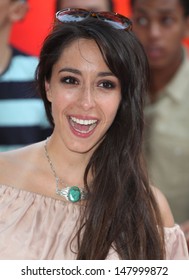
(74, 194)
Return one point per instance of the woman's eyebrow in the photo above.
(72, 70)
(78, 72)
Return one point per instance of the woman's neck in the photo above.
(69, 166)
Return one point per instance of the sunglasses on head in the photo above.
(76, 15)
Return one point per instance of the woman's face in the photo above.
(85, 96)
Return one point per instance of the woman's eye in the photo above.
(69, 80)
(107, 85)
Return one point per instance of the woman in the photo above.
(83, 193)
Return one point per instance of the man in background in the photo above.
(161, 27)
(22, 115)
(95, 5)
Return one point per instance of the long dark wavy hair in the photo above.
(121, 211)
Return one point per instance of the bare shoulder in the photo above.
(17, 154)
(166, 214)
(16, 163)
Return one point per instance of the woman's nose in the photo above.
(87, 98)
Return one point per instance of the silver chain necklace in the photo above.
(71, 193)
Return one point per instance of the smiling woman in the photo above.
(84, 94)
(83, 193)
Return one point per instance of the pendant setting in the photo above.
(71, 193)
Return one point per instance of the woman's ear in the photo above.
(18, 10)
(48, 91)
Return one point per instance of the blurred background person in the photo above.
(22, 116)
(95, 5)
(161, 27)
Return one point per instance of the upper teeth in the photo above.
(85, 122)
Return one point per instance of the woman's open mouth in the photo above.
(81, 126)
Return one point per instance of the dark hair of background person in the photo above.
(184, 4)
(110, 3)
(121, 209)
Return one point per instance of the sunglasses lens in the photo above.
(116, 20)
(77, 15)
(72, 15)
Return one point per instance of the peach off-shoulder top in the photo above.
(36, 227)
